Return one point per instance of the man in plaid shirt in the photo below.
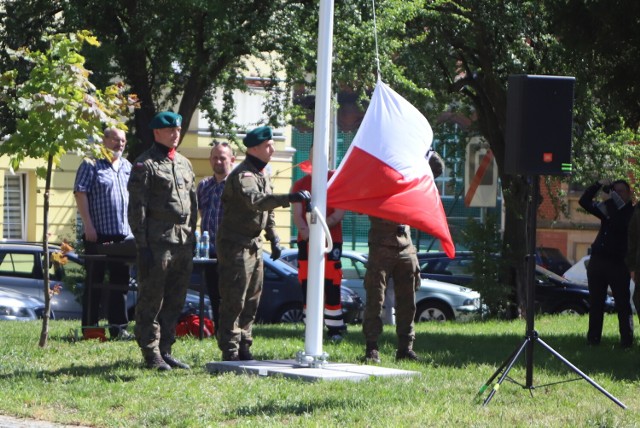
(101, 194)
(209, 194)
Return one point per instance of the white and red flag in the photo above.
(385, 172)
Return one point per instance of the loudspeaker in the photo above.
(539, 121)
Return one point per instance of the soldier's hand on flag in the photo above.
(300, 196)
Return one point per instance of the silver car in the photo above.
(16, 306)
(21, 270)
(435, 300)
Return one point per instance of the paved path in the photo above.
(11, 422)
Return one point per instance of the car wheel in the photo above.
(433, 311)
(291, 313)
(572, 309)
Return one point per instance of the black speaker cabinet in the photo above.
(539, 121)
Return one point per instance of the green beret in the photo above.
(257, 136)
(166, 119)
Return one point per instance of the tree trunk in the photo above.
(44, 333)
(514, 241)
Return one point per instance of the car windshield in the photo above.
(352, 268)
(284, 267)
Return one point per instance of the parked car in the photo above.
(435, 300)
(21, 269)
(554, 294)
(552, 259)
(16, 306)
(281, 300)
(578, 274)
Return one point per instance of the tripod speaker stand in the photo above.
(532, 338)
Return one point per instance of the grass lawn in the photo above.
(104, 384)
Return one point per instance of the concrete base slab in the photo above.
(293, 370)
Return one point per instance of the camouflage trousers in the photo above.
(240, 271)
(162, 289)
(384, 264)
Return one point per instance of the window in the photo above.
(21, 265)
(352, 268)
(14, 207)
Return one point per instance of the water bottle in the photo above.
(198, 245)
(204, 248)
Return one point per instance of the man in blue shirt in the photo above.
(101, 195)
(209, 194)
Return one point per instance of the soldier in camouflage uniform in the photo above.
(162, 214)
(392, 255)
(247, 202)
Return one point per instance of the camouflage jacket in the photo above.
(389, 234)
(162, 199)
(247, 205)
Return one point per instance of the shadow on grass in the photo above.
(275, 408)
(108, 372)
(461, 350)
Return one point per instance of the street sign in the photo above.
(480, 175)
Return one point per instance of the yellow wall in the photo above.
(196, 148)
(62, 211)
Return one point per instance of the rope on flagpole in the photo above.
(375, 37)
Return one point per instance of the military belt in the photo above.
(231, 235)
(170, 217)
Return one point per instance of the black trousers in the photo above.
(603, 272)
(116, 310)
(211, 275)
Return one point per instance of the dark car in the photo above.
(281, 300)
(21, 269)
(554, 294)
(552, 259)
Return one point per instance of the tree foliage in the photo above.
(462, 53)
(183, 54)
(441, 54)
(484, 240)
(602, 41)
(57, 110)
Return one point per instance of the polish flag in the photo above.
(385, 172)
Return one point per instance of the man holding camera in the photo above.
(607, 266)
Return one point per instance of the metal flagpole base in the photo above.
(314, 361)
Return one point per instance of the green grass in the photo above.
(104, 384)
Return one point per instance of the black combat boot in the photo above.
(244, 353)
(173, 362)
(406, 354)
(371, 354)
(230, 356)
(155, 361)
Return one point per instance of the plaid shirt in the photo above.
(107, 193)
(210, 203)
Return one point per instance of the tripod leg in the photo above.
(580, 373)
(509, 363)
(495, 374)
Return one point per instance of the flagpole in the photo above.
(321, 135)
